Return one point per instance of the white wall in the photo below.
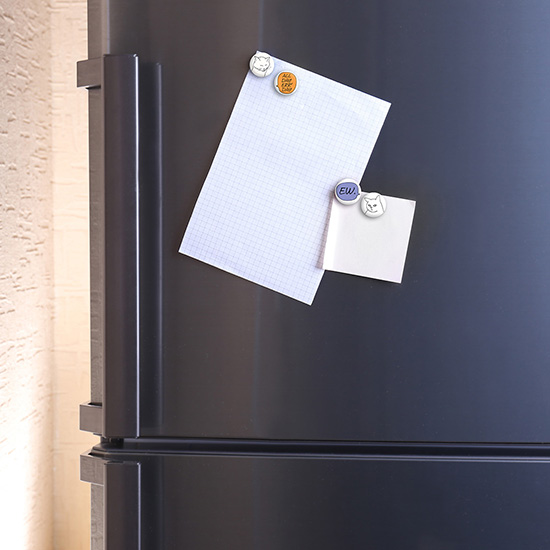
(26, 279)
(44, 350)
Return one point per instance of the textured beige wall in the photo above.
(43, 275)
(70, 228)
(26, 284)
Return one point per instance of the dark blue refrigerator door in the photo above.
(459, 352)
(162, 501)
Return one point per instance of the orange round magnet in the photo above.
(286, 83)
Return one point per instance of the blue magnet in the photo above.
(347, 191)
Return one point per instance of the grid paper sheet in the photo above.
(263, 210)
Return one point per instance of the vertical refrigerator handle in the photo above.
(122, 506)
(121, 374)
(116, 501)
(114, 214)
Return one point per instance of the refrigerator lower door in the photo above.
(296, 502)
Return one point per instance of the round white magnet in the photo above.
(373, 205)
(261, 64)
(347, 191)
(286, 83)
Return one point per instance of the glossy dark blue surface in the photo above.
(316, 502)
(459, 352)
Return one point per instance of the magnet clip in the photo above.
(261, 64)
(347, 191)
(373, 204)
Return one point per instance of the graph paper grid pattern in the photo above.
(263, 210)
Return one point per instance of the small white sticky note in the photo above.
(369, 247)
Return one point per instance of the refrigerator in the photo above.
(383, 416)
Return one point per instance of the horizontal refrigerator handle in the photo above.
(113, 84)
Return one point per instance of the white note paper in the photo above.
(262, 212)
(369, 247)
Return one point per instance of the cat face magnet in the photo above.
(261, 64)
(373, 205)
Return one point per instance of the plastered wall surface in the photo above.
(26, 277)
(44, 329)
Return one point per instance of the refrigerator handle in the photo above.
(114, 197)
(122, 506)
(116, 502)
